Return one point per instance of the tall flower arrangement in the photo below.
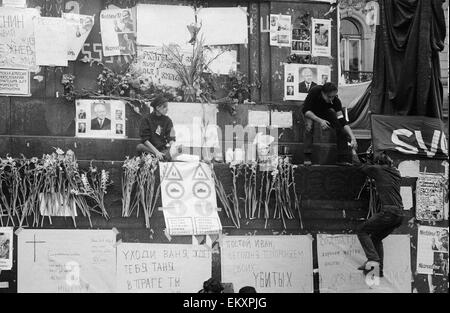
(129, 181)
(146, 181)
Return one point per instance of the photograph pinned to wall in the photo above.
(321, 38)
(280, 30)
(18, 33)
(118, 32)
(78, 29)
(300, 78)
(100, 118)
(432, 250)
(429, 197)
(6, 247)
(50, 41)
(301, 40)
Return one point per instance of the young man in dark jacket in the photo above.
(371, 233)
(156, 131)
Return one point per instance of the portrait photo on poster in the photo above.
(321, 41)
(300, 78)
(100, 118)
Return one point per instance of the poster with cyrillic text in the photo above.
(14, 82)
(189, 199)
(272, 264)
(50, 41)
(339, 257)
(17, 48)
(162, 268)
(66, 261)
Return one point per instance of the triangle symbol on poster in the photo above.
(173, 173)
(200, 173)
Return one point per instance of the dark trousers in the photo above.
(342, 138)
(374, 230)
(141, 148)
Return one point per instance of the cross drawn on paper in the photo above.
(34, 242)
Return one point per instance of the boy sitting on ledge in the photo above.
(156, 131)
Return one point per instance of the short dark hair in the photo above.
(329, 87)
(383, 159)
(212, 285)
(247, 289)
(159, 100)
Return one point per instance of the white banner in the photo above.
(78, 29)
(66, 261)
(51, 41)
(189, 198)
(272, 264)
(339, 257)
(17, 48)
(432, 250)
(155, 268)
(6, 248)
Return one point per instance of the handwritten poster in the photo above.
(432, 250)
(300, 78)
(51, 41)
(100, 118)
(281, 119)
(189, 199)
(154, 66)
(78, 28)
(221, 61)
(118, 32)
(154, 268)
(223, 26)
(156, 25)
(339, 256)
(17, 48)
(272, 264)
(258, 118)
(6, 248)
(280, 30)
(14, 82)
(429, 198)
(66, 261)
(321, 40)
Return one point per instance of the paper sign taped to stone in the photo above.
(6, 248)
(14, 82)
(66, 261)
(272, 264)
(153, 268)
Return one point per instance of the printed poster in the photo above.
(189, 199)
(432, 250)
(223, 26)
(17, 48)
(78, 29)
(430, 197)
(339, 256)
(270, 264)
(153, 66)
(66, 261)
(155, 268)
(300, 78)
(6, 248)
(280, 30)
(118, 32)
(100, 118)
(301, 40)
(321, 41)
(51, 41)
(14, 82)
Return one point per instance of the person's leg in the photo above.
(344, 153)
(308, 136)
(364, 233)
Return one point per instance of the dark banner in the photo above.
(411, 135)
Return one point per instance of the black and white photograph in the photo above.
(184, 147)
